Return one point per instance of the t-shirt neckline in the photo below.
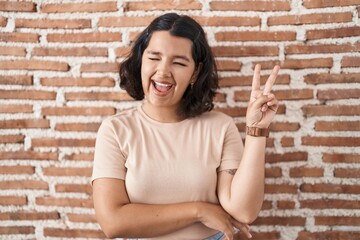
(158, 123)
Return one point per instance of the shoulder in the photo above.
(216, 117)
(121, 120)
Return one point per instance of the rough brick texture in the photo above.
(58, 81)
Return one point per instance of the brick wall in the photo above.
(58, 80)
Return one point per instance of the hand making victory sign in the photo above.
(262, 104)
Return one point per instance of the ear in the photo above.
(196, 73)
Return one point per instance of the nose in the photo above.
(163, 70)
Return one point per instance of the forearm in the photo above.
(247, 186)
(142, 220)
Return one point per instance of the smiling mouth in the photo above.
(162, 88)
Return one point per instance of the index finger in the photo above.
(271, 80)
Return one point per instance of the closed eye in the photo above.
(181, 64)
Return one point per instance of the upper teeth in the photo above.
(163, 84)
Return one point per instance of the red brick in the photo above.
(100, 67)
(12, 51)
(287, 141)
(273, 172)
(17, 170)
(284, 126)
(76, 188)
(11, 6)
(10, 230)
(84, 218)
(53, 23)
(162, 5)
(266, 205)
(28, 155)
(65, 202)
(245, 51)
(33, 216)
(228, 21)
(16, 108)
(77, 127)
(325, 78)
(124, 21)
(265, 235)
(337, 221)
(347, 172)
(227, 65)
(330, 141)
(78, 52)
(73, 233)
(24, 184)
(280, 188)
(297, 63)
(24, 123)
(328, 235)
(322, 48)
(80, 82)
(34, 65)
(285, 204)
(255, 36)
(233, 112)
(293, 94)
(98, 96)
(286, 157)
(12, 200)
(330, 188)
(338, 94)
(79, 7)
(71, 171)
(19, 37)
(262, 6)
(62, 142)
(75, 111)
(16, 80)
(337, 126)
(220, 97)
(84, 37)
(306, 172)
(12, 139)
(333, 33)
(336, 110)
(330, 204)
(341, 158)
(80, 157)
(350, 61)
(314, 18)
(122, 51)
(329, 3)
(3, 21)
(280, 221)
(27, 94)
(283, 79)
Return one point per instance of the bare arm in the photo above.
(241, 194)
(120, 218)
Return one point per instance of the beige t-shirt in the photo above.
(164, 163)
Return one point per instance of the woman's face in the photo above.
(167, 69)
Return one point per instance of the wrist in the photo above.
(257, 132)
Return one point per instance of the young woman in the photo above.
(172, 168)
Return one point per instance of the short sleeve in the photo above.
(109, 160)
(232, 148)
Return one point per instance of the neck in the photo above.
(161, 114)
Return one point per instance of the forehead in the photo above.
(167, 44)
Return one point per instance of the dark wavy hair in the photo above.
(197, 99)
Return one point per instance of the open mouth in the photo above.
(162, 88)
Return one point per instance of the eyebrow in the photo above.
(176, 56)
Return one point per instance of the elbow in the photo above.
(246, 217)
(110, 231)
